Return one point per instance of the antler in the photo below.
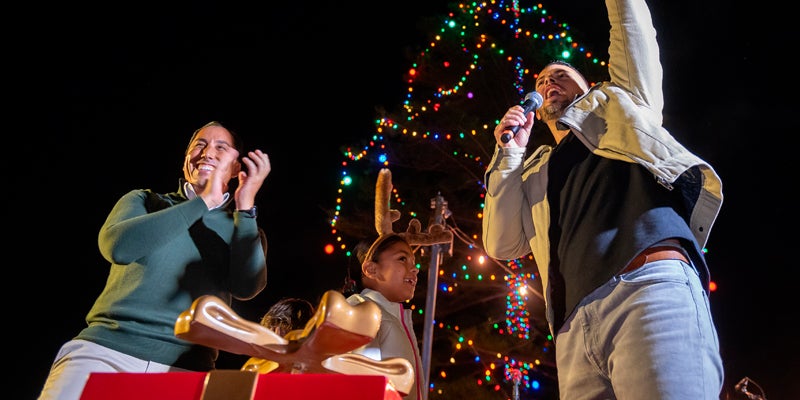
(385, 217)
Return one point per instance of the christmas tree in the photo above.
(488, 336)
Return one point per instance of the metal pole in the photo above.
(430, 306)
(440, 207)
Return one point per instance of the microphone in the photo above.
(533, 100)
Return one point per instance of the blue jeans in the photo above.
(645, 334)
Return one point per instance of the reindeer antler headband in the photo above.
(385, 216)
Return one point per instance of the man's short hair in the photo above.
(570, 66)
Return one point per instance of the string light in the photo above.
(445, 88)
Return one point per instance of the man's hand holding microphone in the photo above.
(514, 129)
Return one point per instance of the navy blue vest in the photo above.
(603, 213)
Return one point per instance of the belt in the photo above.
(656, 253)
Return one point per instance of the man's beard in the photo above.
(552, 111)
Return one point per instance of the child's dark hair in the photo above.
(366, 251)
(287, 315)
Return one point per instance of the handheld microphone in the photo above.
(533, 100)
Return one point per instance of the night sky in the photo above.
(108, 98)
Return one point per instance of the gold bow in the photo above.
(323, 346)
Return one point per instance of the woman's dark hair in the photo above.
(237, 141)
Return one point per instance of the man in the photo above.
(616, 214)
(165, 251)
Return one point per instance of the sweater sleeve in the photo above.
(131, 232)
(248, 267)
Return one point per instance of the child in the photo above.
(286, 315)
(389, 278)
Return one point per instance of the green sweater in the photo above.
(165, 251)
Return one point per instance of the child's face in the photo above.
(396, 273)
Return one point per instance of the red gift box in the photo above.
(236, 385)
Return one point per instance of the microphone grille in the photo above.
(535, 97)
